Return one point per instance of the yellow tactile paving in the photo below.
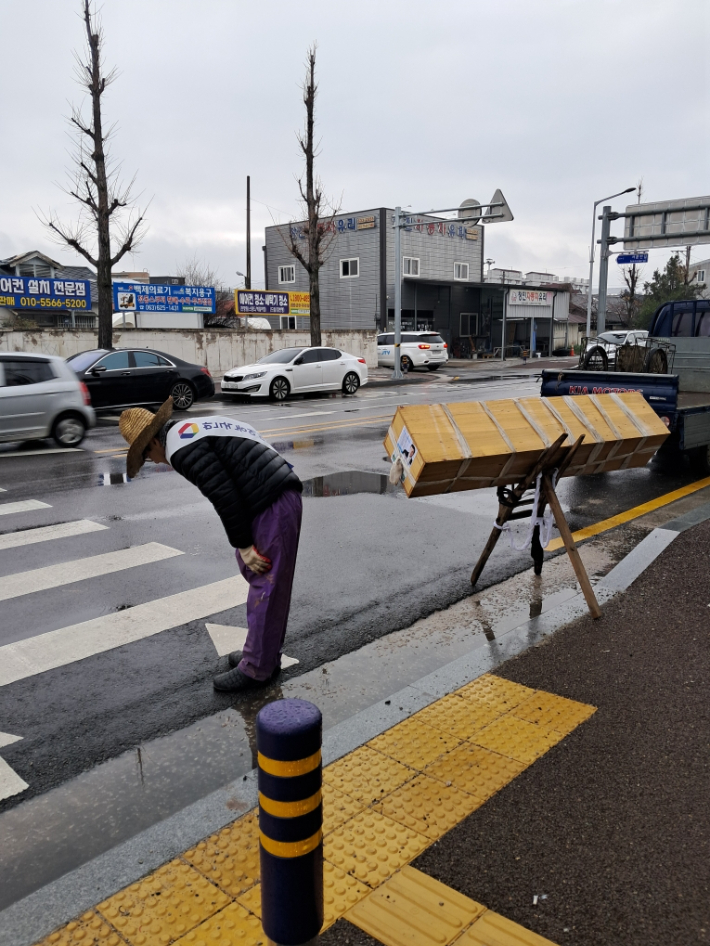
(233, 926)
(420, 778)
(517, 738)
(164, 906)
(372, 847)
(475, 770)
(366, 775)
(428, 806)
(555, 712)
(413, 743)
(459, 716)
(496, 691)
(492, 929)
(412, 909)
(338, 807)
(230, 858)
(89, 930)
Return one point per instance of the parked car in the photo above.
(41, 397)
(126, 377)
(600, 352)
(418, 350)
(297, 371)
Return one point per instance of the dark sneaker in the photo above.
(234, 658)
(234, 681)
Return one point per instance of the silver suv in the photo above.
(40, 396)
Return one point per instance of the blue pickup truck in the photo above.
(681, 398)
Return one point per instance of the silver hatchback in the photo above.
(40, 396)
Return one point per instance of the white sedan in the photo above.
(297, 371)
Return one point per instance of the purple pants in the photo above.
(276, 531)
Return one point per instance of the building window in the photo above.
(288, 322)
(469, 324)
(701, 275)
(287, 274)
(349, 268)
(460, 270)
(410, 266)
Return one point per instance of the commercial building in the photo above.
(443, 287)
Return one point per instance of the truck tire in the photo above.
(596, 359)
(700, 460)
(656, 362)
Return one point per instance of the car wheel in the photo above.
(405, 363)
(183, 396)
(596, 359)
(351, 383)
(279, 390)
(69, 431)
(433, 367)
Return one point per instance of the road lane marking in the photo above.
(10, 781)
(38, 453)
(66, 573)
(63, 530)
(35, 655)
(631, 514)
(26, 505)
(226, 639)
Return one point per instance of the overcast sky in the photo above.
(421, 103)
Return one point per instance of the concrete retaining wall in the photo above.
(216, 349)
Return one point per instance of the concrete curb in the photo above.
(37, 915)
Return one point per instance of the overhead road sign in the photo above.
(626, 259)
(250, 302)
(145, 297)
(683, 222)
(29, 292)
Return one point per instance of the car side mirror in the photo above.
(298, 361)
(98, 370)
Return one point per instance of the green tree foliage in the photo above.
(667, 286)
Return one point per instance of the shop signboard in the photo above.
(530, 297)
(28, 292)
(145, 297)
(265, 302)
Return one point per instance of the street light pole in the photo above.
(628, 190)
(603, 268)
(397, 293)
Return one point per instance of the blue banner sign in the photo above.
(144, 297)
(28, 292)
(624, 259)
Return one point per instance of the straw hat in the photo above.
(138, 427)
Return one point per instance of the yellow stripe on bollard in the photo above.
(289, 769)
(290, 809)
(291, 848)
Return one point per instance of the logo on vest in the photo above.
(187, 431)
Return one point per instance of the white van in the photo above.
(419, 350)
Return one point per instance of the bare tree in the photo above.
(107, 205)
(632, 278)
(197, 272)
(318, 231)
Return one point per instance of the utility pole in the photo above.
(247, 280)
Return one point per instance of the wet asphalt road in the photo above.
(370, 562)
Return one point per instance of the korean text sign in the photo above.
(144, 297)
(251, 302)
(529, 297)
(28, 292)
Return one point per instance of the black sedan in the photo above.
(129, 377)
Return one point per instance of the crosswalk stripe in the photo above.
(24, 506)
(35, 655)
(63, 530)
(66, 573)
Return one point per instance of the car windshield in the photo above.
(82, 361)
(613, 338)
(280, 357)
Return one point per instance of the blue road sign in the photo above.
(624, 259)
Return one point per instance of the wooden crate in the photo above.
(473, 444)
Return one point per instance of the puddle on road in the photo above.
(348, 483)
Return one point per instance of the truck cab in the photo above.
(684, 319)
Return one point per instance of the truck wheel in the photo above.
(656, 362)
(596, 359)
(700, 460)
